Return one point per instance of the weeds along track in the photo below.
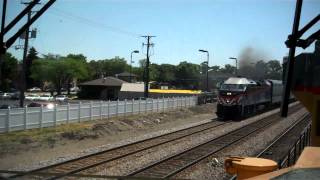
(86, 162)
(174, 164)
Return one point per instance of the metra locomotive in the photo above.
(239, 97)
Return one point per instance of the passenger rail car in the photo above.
(238, 97)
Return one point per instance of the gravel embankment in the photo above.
(144, 127)
(213, 167)
(130, 163)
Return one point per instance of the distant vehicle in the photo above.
(45, 105)
(5, 106)
(34, 89)
(5, 95)
(45, 98)
(61, 98)
(15, 95)
(74, 89)
(32, 97)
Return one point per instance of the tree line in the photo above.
(54, 72)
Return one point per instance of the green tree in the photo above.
(59, 72)
(114, 66)
(31, 57)
(9, 69)
(274, 70)
(228, 69)
(166, 73)
(187, 75)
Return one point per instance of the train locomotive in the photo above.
(239, 96)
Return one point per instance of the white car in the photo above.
(61, 98)
(32, 97)
(5, 95)
(45, 98)
(34, 89)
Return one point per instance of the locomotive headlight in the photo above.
(229, 93)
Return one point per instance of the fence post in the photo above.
(185, 101)
(152, 102)
(101, 103)
(125, 107)
(25, 117)
(158, 104)
(108, 108)
(91, 110)
(8, 120)
(41, 116)
(79, 112)
(139, 105)
(55, 115)
(68, 113)
(117, 107)
(162, 103)
(146, 105)
(132, 106)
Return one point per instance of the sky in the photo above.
(103, 29)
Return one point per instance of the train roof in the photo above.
(239, 80)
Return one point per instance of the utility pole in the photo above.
(2, 48)
(23, 71)
(146, 74)
(24, 59)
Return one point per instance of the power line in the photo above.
(92, 23)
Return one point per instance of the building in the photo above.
(106, 88)
(125, 76)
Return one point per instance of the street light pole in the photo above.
(207, 80)
(135, 51)
(236, 64)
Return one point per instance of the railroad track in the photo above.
(289, 142)
(86, 162)
(282, 144)
(174, 164)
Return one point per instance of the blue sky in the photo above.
(102, 29)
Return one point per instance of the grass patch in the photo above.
(43, 134)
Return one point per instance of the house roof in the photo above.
(126, 74)
(106, 81)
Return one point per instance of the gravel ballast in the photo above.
(139, 160)
(213, 166)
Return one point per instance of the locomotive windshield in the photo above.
(233, 87)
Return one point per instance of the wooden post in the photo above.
(132, 101)
(79, 112)
(41, 116)
(68, 113)
(25, 117)
(55, 115)
(8, 120)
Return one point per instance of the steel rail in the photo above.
(203, 127)
(179, 169)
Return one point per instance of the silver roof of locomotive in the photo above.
(239, 80)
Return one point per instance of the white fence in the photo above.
(39, 117)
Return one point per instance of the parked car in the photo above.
(5, 95)
(61, 98)
(74, 89)
(32, 97)
(45, 98)
(5, 106)
(34, 89)
(45, 105)
(15, 95)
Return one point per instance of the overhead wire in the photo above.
(87, 21)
